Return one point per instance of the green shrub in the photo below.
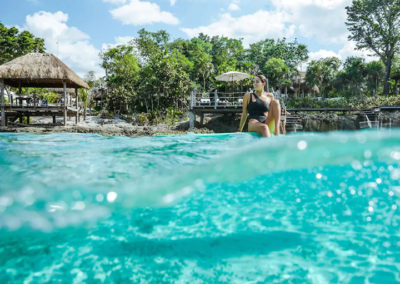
(353, 102)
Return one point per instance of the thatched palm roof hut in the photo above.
(41, 70)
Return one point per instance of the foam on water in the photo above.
(315, 208)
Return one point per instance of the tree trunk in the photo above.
(388, 67)
(145, 103)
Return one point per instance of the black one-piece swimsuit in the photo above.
(257, 109)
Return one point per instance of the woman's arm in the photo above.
(244, 112)
(277, 117)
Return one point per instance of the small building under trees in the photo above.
(39, 70)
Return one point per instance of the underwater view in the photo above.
(223, 208)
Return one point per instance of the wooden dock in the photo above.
(13, 113)
(232, 104)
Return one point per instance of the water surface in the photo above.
(304, 208)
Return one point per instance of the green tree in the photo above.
(163, 80)
(90, 78)
(277, 72)
(84, 97)
(396, 74)
(227, 54)
(375, 72)
(122, 71)
(375, 25)
(354, 72)
(322, 73)
(292, 53)
(14, 43)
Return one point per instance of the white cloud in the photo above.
(349, 49)
(318, 20)
(118, 41)
(69, 44)
(233, 7)
(322, 53)
(138, 12)
(172, 2)
(251, 28)
(322, 20)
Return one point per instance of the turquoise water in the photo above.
(304, 208)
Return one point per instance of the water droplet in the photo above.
(348, 212)
(168, 198)
(395, 155)
(318, 176)
(367, 154)
(330, 194)
(369, 219)
(112, 196)
(57, 206)
(302, 145)
(356, 165)
(394, 207)
(395, 174)
(378, 181)
(99, 197)
(371, 209)
(298, 200)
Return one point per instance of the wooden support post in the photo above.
(27, 119)
(20, 118)
(77, 106)
(192, 118)
(215, 99)
(19, 94)
(191, 100)
(65, 103)
(54, 119)
(201, 119)
(3, 114)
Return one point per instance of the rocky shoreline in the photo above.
(318, 122)
(322, 122)
(107, 127)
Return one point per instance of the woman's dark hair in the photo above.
(262, 78)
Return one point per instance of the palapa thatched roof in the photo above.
(40, 70)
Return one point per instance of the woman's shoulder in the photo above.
(246, 95)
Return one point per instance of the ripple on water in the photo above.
(314, 208)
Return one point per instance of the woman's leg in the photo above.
(259, 127)
(274, 115)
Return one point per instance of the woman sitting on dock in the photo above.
(263, 110)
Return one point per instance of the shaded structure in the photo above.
(39, 70)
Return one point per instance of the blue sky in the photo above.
(77, 30)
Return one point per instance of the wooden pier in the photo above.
(231, 103)
(18, 113)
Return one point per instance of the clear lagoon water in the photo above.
(233, 208)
